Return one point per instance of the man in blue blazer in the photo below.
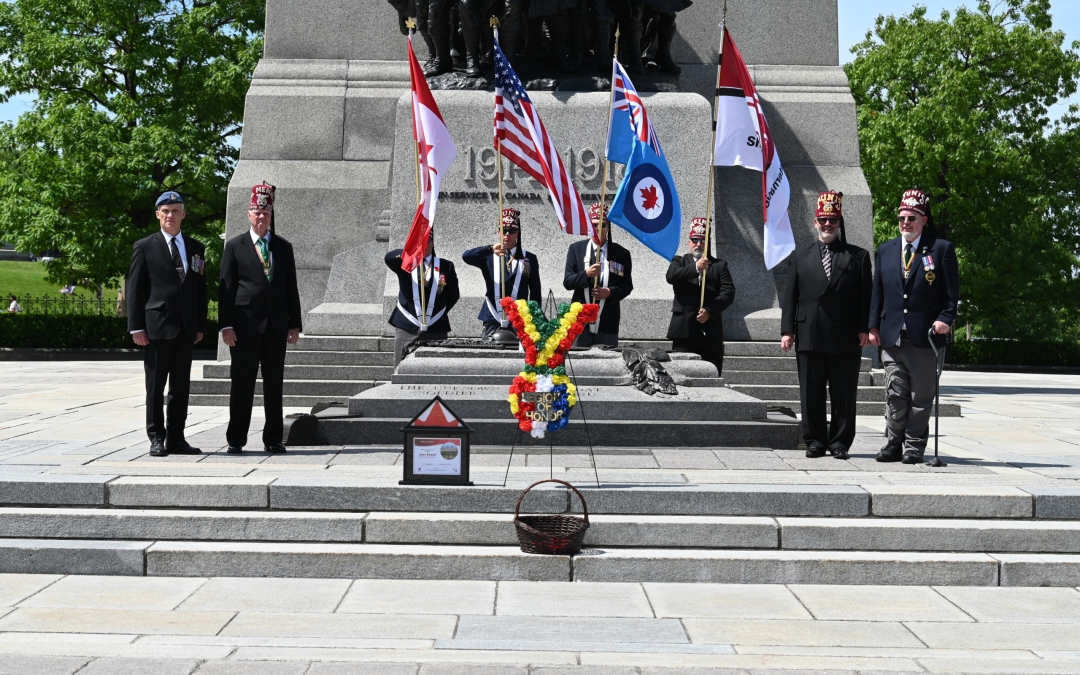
(916, 287)
(522, 277)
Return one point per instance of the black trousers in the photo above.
(251, 352)
(840, 374)
(167, 360)
(708, 348)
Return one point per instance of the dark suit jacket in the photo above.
(250, 304)
(826, 315)
(446, 299)
(917, 301)
(157, 302)
(575, 279)
(685, 279)
(485, 259)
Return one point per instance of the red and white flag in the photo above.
(436, 152)
(743, 139)
(525, 142)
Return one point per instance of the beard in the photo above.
(828, 237)
(697, 253)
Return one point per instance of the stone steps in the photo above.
(287, 401)
(778, 431)
(863, 408)
(771, 363)
(343, 343)
(785, 392)
(496, 529)
(503, 563)
(329, 492)
(336, 388)
(222, 369)
(777, 377)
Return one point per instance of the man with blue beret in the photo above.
(916, 290)
(167, 303)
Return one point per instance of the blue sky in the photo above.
(856, 17)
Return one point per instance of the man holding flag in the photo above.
(599, 271)
(743, 139)
(428, 286)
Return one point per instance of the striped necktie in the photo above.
(826, 260)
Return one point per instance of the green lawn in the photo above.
(28, 279)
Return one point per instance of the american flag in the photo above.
(626, 98)
(523, 140)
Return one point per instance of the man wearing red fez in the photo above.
(166, 291)
(520, 280)
(826, 312)
(695, 327)
(916, 293)
(422, 317)
(259, 309)
(599, 273)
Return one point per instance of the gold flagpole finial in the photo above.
(494, 22)
(410, 23)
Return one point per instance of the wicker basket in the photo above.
(552, 535)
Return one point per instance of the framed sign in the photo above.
(436, 448)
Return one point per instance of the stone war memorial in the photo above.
(328, 121)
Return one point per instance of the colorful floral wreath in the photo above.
(546, 343)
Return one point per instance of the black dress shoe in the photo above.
(913, 457)
(158, 450)
(235, 450)
(182, 448)
(816, 450)
(890, 453)
(274, 449)
(838, 451)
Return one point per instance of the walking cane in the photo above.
(940, 357)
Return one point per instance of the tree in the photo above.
(133, 98)
(959, 108)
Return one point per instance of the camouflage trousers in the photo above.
(910, 373)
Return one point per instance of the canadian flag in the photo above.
(743, 139)
(436, 152)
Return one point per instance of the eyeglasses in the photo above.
(907, 219)
(828, 221)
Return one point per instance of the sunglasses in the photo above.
(697, 240)
(510, 230)
(907, 219)
(828, 221)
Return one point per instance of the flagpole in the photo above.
(607, 163)
(411, 23)
(494, 22)
(712, 149)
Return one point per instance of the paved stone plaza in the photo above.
(1016, 444)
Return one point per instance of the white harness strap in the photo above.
(431, 273)
(517, 269)
(604, 276)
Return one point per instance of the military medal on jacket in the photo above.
(928, 265)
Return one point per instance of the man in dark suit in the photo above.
(826, 310)
(916, 288)
(426, 318)
(521, 280)
(696, 327)
(259, 307)
(166, 292)
(601, 274)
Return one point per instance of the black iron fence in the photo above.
(81, 306)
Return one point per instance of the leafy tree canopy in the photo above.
(959, 108)
(133, 97)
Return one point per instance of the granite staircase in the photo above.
(318, 370)
(341, 526)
